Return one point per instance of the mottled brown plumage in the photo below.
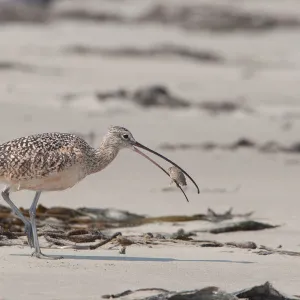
(57, 161)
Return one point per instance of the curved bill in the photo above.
(144, 155)
(165, 158)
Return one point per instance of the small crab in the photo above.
(177, 176)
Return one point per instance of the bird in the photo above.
(55, 161)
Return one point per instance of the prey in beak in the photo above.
(137, 144)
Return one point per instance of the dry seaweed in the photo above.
(208, 293)
(89, 16)
(81, 228)
(182, 235)
(90, 239)
(150, 96)
(33, 11)
(68, 245)
(248, 225)
(211, 216)
(159, 95)
(165, 50)
(244, 245)
(210, 243)
(216, 18)
(262, 292)
(218, 107)
(63, 222)
(128, 292)
(265, 291)
(202, 17)
(215, 217)
(198, 17)
(267, 251)
(241, 143)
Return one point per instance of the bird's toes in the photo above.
(40, 255)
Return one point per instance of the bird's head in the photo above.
(120, 137)
(123, 138)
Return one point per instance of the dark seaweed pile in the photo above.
(265, 291)
(83, 228)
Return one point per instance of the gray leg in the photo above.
(16, 211)
(32, 212)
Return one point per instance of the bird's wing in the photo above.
(38, 157)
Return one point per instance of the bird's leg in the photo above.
(32, 212)
(16, 211)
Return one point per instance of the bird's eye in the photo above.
(125, 136)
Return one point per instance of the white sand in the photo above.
(31, 103)
(89, 274)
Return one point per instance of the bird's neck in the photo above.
(103, 156)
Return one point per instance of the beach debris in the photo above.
(242, 245)
(151, 291)
(212, 216)
(217, 107)
(82, 228)
(148, 236)
(91, 239)
(182, 235)
(163, 50)
(248, 225)
(122, 250)
(6, 234)
(28, 11)
(205, 190)
(85, 15)
(19, 67)
(215, 18)
(209, 146)
(123, 241)
(187, 238)
(241, 143)
(265, 291)
(160, 96)
(148, 96)
(211, 243)
(68, 245)
(268, 251)
(64, 222)
(209, 293)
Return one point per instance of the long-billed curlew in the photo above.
(58, 161)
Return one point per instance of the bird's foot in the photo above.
(43, 256)
(29, 233)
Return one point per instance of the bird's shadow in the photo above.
(140, 259)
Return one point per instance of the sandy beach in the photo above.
(229, 114)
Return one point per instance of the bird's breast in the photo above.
(54, 182)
